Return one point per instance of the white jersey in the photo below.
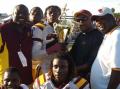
(39, 47)
(39, 52)
(80, 84)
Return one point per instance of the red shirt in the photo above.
(16, 41)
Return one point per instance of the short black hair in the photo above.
(53, 7)
(12, 70)
(22, 6)
(37, 9)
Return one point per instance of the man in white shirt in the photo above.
(108, 55)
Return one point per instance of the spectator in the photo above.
(108, 55)
(12, 80)
(86, 45)
(17, 36)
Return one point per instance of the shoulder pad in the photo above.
(80, 82)
(40, 25)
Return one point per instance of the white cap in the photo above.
(105, 10)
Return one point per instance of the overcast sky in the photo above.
(6, 6)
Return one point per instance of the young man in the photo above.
(108, 55)
(86, 45)
(44, 37)
(12, 80)
(36, 14)
(16, 36)
(62, 73)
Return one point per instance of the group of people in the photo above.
(31, 37)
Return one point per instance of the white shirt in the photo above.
(108, 57)
(39, 48)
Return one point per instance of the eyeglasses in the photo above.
(81, 18)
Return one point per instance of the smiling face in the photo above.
(103, 25)
(100, 25)
(20, 14)
(60, 70)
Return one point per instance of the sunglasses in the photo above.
(81, 18)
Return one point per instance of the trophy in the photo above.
(62, 28)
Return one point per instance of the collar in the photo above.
(113, 30)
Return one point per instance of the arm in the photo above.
(38, 47)
(92, 54)
(2, 43)
(77, 83)
(114, 64)
(70, 85)
(115, 51)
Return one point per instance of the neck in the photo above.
(112, 29)
(51, 24)
(58, 84)
(88, 29)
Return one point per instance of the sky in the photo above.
(6, 6)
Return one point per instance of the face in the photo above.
(11, 80)
(35, 15)
(52, 15)
(60, 70)
(102, 25)
(20, 15)
(84, 22)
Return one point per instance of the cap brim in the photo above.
(95, 17)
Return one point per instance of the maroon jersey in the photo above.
(16, 39)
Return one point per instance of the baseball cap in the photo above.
(83, 12)
(103, 12)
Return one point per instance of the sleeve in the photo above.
(77, 83)
(70, 85)
(87, 86)
(81, 83)
(24, 86)
(118, 86)
(115, 51)
(36, 84)
(38, 46)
